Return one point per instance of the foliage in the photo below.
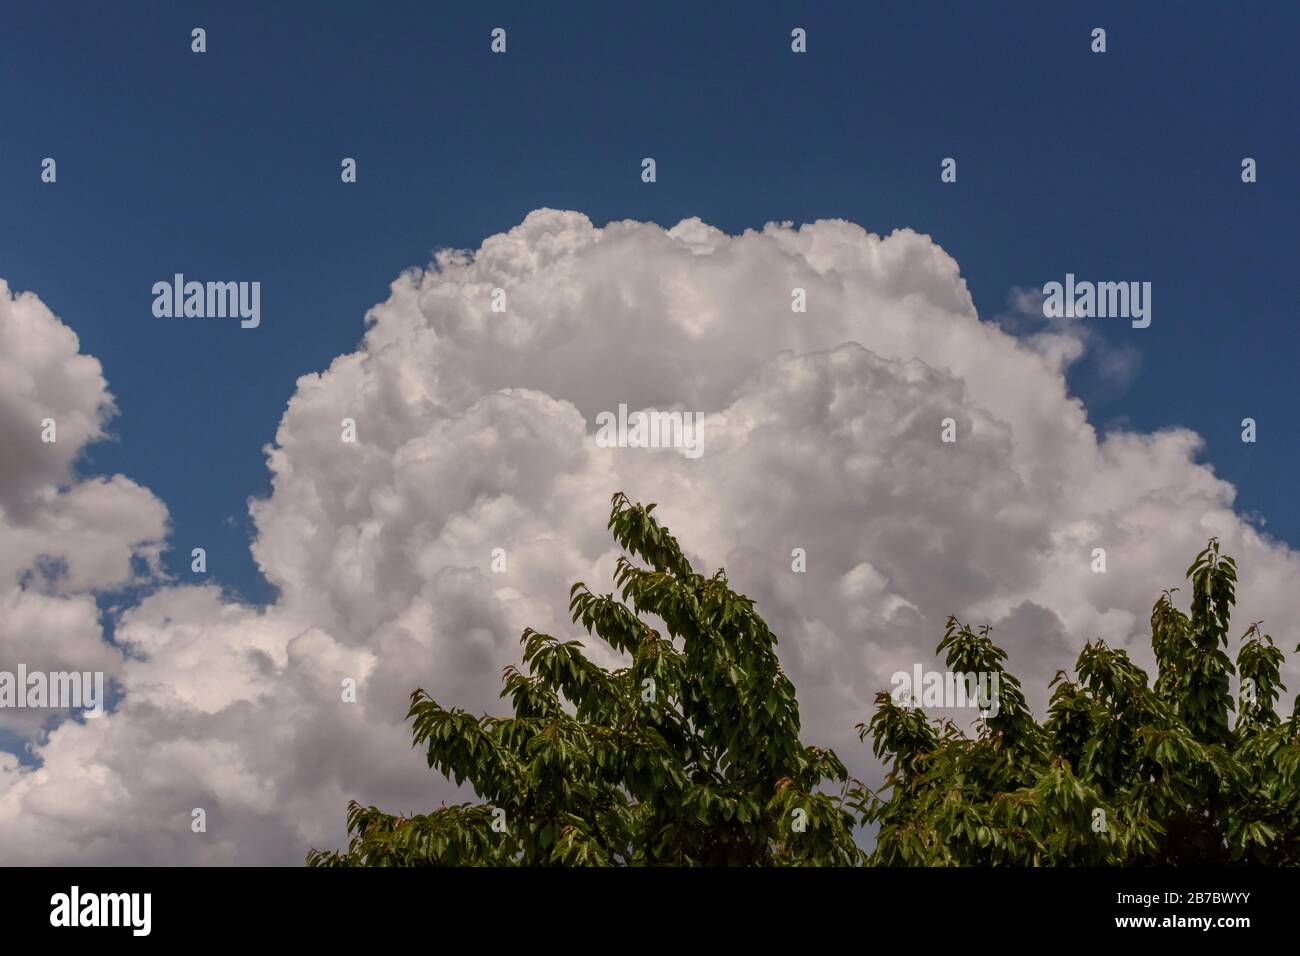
(690, 755)
(1120, 773)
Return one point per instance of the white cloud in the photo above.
(61, 537)
(476, 431)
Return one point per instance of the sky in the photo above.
(225, 165)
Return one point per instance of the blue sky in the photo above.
(226, 165)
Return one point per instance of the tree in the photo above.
(1120, 773)
(689, 756)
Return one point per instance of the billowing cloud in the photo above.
(62, 538)
(476, 431)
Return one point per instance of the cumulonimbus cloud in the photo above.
(476, 432)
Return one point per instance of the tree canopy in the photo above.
(1121, 772)
(692, 755)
